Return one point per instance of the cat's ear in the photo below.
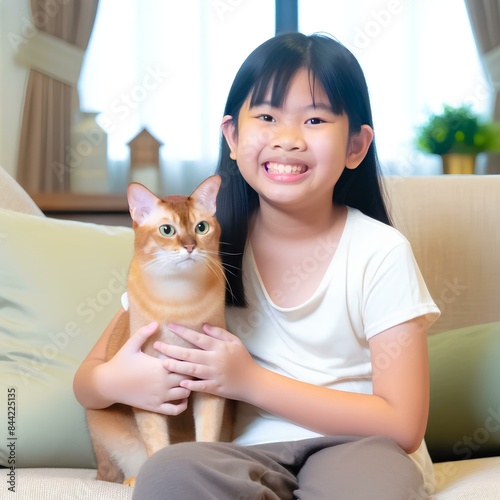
(141, 202)
(206, 193)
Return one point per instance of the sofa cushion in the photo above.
(464, 418)
(14, 197)
(60, 284)
(468, 479)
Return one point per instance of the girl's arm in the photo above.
(130, 377)
(397, 408)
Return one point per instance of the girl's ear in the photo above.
(358, 146)
(229, 131)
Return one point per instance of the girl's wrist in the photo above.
(255, 377)
(104, 388)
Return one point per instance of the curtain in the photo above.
(484, 16)
(54, 54)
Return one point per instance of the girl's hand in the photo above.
(137, 379)
(221, 365)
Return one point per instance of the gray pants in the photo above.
(373, 468)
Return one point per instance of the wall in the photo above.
(15, 25)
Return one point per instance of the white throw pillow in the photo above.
(60, 285)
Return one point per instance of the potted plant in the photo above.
(458, 135)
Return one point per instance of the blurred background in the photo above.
(160, 71)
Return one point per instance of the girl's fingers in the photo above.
(173, 408)
(191, 370)
(175, 380)
(218, 333)
(180, 353)
(178, 394)
(197, 339)
(136, 341)
(196, 385)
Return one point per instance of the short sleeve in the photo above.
(394, 291)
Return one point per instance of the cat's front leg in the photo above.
(119, 449)
(209, 413)
(153, 429)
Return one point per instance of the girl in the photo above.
(327, 308)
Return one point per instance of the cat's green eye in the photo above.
(202, 227)
(167, 230)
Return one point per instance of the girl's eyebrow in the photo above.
(320, 106)
(311, 107)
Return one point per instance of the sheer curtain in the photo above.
(416, 55)
(168, 66)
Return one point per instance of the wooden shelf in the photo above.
(100, 208)
(80, 202)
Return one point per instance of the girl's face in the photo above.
(295, 153)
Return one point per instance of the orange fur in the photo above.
(174, 278)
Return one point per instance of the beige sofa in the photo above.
(60, 282)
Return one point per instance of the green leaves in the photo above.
(458, 130)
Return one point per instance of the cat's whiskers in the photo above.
(227, 253)
(160, 258)
(225, 265)
(210, 261)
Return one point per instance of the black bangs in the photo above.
(273, 78)
(277, 63)
(276, 78)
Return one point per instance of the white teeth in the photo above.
(279, 168)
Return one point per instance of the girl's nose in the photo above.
(288, 139)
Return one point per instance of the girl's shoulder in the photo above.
(358, 219)
(364, 230)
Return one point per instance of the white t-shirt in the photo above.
(372, 283)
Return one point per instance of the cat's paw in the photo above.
(130, 481)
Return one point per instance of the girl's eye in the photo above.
(315, 121)
(202, 227)
(167, 230)
(266, 118)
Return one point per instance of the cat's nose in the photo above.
(189, 247)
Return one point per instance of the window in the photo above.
(168, 66)
(416, 55)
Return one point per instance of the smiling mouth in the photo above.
(282, 168)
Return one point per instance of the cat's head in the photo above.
(176, 232)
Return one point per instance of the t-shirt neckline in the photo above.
(324, 281)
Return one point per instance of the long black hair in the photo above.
(272, 66)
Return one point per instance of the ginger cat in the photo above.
(176, 276)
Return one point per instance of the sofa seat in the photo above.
(62, 484)
(476, 479)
